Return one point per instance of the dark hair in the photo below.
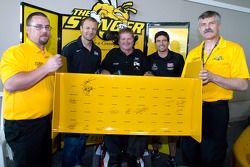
(88, 18)
(209, 14)
(164, 33)
(126, 30)
(29, 18)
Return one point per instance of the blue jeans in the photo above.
(74, 148)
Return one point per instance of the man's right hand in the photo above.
(105, 72)
(53, 63)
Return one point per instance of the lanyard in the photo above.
(202, 53)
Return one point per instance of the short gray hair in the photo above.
(209, 14)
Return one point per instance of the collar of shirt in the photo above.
(168, 57)
(80, 45)
(34, 47)
(133, 53)
(222, 43)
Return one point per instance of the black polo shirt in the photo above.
(80, 59)
(117, 62)
(170, 66)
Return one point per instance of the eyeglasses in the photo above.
(40, 27)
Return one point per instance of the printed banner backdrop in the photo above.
(178, 34)
(107, 29)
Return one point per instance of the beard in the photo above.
(43, 40)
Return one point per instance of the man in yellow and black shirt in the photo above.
(28, 93)
(224, 71)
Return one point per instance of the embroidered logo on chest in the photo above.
(154, 67)
(96, 53)
(136, 62)
(170, 66)
(218, 58)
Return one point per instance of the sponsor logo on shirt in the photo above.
(78, 50)
(96, 53)
(218, 58)
(137, 58)
(136, 63)
(154, 67)
(170, 66)
(116, 63)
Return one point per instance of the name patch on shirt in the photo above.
(170, 66)
(116, 63)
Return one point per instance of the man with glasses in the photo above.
(27, 76)
(224, 71)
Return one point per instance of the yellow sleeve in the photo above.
(239, 68)
(11, 63)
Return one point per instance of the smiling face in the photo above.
(88, 30)
(126, 41)
(209, 28)
(161, 43)
(38, 30)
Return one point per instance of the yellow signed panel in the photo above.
(135, 105)
(192, 69)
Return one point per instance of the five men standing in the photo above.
(26, 71)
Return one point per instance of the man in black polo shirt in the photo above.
(125, 60)
(83, 56)
(165, 62)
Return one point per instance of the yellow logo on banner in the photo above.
(111, 18)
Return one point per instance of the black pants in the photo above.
(116, 145)
(211, 151)
(30, 141)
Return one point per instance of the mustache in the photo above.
(208, 30)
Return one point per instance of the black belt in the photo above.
(216, 102)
